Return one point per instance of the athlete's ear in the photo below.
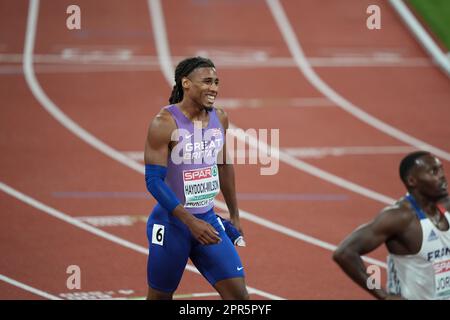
(411, 181)
(185, 82)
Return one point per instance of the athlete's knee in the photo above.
(154, 294)
(232, 289)
(235, 295)
(243, 295)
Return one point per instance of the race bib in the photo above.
(442, 279)
(200, 186)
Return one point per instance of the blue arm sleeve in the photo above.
(154, 178)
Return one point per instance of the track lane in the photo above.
(397, 96)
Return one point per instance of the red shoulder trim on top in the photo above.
(441, 208)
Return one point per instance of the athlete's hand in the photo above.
(203, 231)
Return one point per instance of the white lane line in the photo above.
(234, 103)
(310, 169)
(45, 101)
(25, 287)
(422, 35)
(296, 50)
(176, 296)
(66, 218)
(294, 234)
(112, 221)
(321, 152)
(196, 295)
(318, 152)
(160, 34)
(111, 60)
(98, 232)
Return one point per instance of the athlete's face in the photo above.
(428, 177)
(203, 86)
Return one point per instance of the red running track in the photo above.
(115, 101)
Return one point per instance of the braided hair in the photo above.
(183, 69)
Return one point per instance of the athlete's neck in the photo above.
(429, 206)
(193, 111)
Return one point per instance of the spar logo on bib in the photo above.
(199, 174)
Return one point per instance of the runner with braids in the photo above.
(182, 172)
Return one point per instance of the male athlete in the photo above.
(182, 171)
(416, 233)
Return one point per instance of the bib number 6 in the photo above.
(158, 234)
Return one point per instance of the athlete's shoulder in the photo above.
(162, 126)
(164, 114)
(220, 111)
(400, 213)
(163, 119)
(222, 115)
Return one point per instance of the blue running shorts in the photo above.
(171, 244)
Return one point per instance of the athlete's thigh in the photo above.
(218, 261)
(169, 247)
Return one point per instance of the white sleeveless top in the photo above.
(425, 275)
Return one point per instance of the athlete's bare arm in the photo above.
(156, 152)
(227, 177)
(390, 223)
